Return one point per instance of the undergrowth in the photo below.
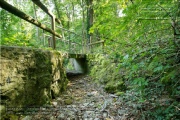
(150, 79)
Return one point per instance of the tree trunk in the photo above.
(89, 20)
(83, 26)
(35, 16)
(59, 16)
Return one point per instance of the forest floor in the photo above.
(83, 100)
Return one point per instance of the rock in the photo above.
(54, 103)
(112, 95)
(70, 113)
(89, 94)
(105, 114)
(69, 106)
(59, 99)
(52, 118)
(96, 119)
(95, 93)
(74, 106)
(121, 112)
(61, 116)
(91, 104)
(86, 104)
(88, 114)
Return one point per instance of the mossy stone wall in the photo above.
(30, 77)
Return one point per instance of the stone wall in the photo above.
(30, 77)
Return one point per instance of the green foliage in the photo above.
(142, 50)
(165, 112)
(15, 32)
(103, 71)
(140, 84)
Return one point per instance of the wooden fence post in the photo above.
(53, 28)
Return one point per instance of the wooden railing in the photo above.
(22, 15)
(73, 47)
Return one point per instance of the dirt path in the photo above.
(83, 100)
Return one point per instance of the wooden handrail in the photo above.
(98, 42)
(44, 8)
(6, 6)
(53, 19)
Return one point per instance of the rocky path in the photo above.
(83, 100)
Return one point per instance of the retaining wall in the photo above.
(30, 77)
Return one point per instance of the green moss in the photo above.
(10, 117)
(68, 101)
(39, 76)
(121, 86)
(119, 93)
(64, 85)
(110, 87)
(115, 86)
(44, 82)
